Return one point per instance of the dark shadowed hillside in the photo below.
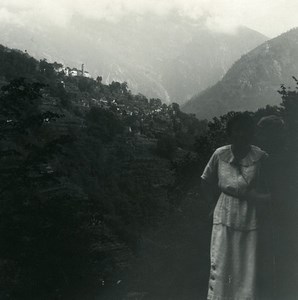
(89, 173)
(253, 80)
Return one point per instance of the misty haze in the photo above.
(141, 141)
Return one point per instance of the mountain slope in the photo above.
(253, 81)
(169, 57)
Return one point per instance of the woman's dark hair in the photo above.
(241, 121)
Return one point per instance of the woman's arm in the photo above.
(207, 191)
(209, 194)
(261, 191)
(209, 182)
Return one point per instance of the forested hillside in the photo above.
(100, 188)
(87, 170)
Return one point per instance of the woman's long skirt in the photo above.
(233, 270)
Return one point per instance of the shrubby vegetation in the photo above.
(100, 187)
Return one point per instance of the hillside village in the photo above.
(77, 91)
(67, 71)
(141, 116)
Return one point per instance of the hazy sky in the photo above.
(270, 17)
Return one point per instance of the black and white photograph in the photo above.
(148, 150)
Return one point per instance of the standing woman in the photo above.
(236, 171)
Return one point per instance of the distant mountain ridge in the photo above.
(171, 58)
(253, 81)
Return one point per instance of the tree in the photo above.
(103, 124)
(166, 146)
(46, 68)
(39, 220)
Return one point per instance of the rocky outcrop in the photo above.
(253, 81)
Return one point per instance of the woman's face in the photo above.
(240, 138)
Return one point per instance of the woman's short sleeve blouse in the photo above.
(234, 178)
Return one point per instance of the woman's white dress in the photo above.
(234, 240)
